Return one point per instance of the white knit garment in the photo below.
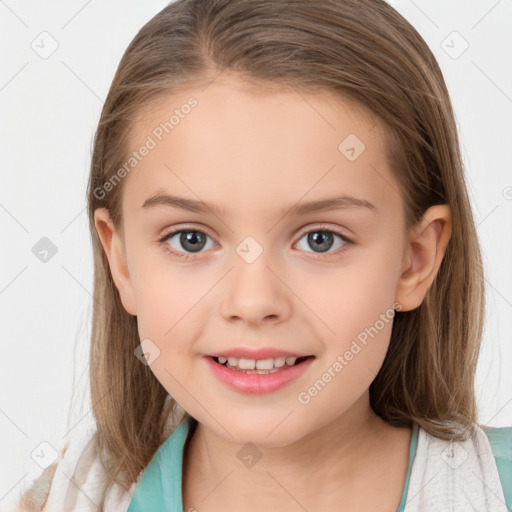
(445, 477)
(77, 482)
(455, 477)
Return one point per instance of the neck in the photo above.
(345, 449)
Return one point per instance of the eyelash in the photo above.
(185, 256)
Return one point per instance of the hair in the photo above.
(361, 50)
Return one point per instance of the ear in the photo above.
(114, 248)
(423, 255)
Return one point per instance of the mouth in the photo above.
(260, 366)
(258, 376)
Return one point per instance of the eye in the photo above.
(194, 240)
(323, 239)
(191, 240)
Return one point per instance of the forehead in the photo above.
(252, 148)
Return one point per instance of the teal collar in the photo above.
(159, 487)
(412, 453)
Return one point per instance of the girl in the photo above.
(288, 283)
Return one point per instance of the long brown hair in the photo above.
(360, 49)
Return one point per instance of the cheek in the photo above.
(357, 318)
(173, 304)
(346, 300)
(167, 308)
(168, 304)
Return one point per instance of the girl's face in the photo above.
(258, 269)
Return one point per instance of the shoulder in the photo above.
(49, 482)
(73, 482)
(475, 468)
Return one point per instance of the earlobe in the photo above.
(423, 256)
(114, 248)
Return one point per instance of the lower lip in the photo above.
(257, 383)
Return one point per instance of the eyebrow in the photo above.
(192, 205)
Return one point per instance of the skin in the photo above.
(256, 152)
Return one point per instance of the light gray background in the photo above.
(50, 108)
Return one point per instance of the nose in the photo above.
(255, 293)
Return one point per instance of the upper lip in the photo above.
(256, 353)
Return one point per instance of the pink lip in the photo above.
(254, 383)
(253, 353)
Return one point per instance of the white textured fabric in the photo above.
(455, 477)
(76, 486)
(77, 482)
(445, 477)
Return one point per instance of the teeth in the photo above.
(258, 364)
(232, 361)
(246, 364)
(264, 364)
(279, 361)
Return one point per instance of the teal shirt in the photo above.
(151, 495)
